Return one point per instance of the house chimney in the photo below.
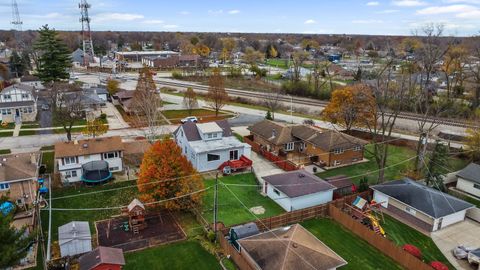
(274, 133)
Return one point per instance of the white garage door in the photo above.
(380, 198)
(453, 218)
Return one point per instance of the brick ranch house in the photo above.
(304, 144)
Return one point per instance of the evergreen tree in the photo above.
(13, 244)
(268, 116)
(436, 167)
(54, 60)
(17, 65)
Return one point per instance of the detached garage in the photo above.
(423, 206)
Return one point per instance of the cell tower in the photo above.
(88, 54)
(17, 24)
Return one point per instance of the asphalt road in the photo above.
(44, 117)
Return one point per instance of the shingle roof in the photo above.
(340, 181)
(292, 248)
(93, 146)
(425, 199)
(471, 173)
(298, 183)
(17, 104)
(18, 166)
(191, 131)
(134, 203)
(101, 255)
(326, 140)
(245, 230)
(274, 132)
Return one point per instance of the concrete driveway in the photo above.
(115, 119)
(465, 233)
(263, 167)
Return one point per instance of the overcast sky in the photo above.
(390, 17)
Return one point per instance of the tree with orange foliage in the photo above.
(351, 106)
(165, 173)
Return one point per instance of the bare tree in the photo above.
(474, 73)
(67, 106)
(190, 100)
(147, 104)
(298, 58)
(216, 97)
(272, 101)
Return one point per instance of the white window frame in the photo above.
(213, 159)
(338, 151)
(4, 186)
(336, 162)
(114, 155)
(276, 191)
(7, 96)
(357, 148)
(69, 160)
(289, 146)
(114, 168)
(234, 151)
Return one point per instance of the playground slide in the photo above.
(376, 225)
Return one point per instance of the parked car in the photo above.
(45, 107)
(189, 119)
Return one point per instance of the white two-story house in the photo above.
(207, 146)
(90, 161)
(18, 102)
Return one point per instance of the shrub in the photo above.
(103, 116)
(177, 74)
(211, 236)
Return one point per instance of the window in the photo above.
(186, 151)
(70, 160)
(276, 192)
(336, 163)
(6, 111)
(209, 135)
(289, 146)
(234, 155)
(192, 156)
(411, 211)
(357, 148)
(74, 173)
(30, 109)
(4, 186)
(477, 186)
(213, 157)
(302, 146)
(25, 96)
(69, 174)
(337, 151)
(110, 155)
(114, 168)
(215, 135)
(7, 97)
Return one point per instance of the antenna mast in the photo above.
(88, 54)
(17, 24)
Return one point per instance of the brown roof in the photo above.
(298, 183)
(18, 166)
(326, 140)
(101, 255)
(340, 181)
(124, 94)
(88, 147)
(290, 248)
(192, 57)
(274, 132)
(133, 152)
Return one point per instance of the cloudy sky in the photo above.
(391, 17)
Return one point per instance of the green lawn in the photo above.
(402, 234)
(99, 200)
(48, 160)
(48, 147)
(62, 130)
(230, 210)
(238, 136)
(7, 126)
(27, 132)
(275, 62)
(465, 198)
(5, 151)
(183, 255)
(29, 125)
(357, 252)
(6, 134)
(396, 155)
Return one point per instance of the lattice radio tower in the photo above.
(17, 24)
(88, 54)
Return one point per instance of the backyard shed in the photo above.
(102, 258)
(423, 206)
(468, 179)
(74, 238)
(297, 190)
(241, 231)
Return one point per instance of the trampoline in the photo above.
(96, 172)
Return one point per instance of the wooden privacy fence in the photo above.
(280, 162)
(386, 246)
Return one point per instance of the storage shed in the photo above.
(74, 238)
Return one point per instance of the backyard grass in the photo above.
(48, 160)
(96, 200)
(230, 210)
(402, 234)
(189, 224)
(183, 255)
(397, 156)
(357, 252)
(5, 151)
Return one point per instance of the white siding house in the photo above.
(207, 146)
(468, 179)
(297, 190)
(18, 103)
(70, 157)
(425, 207)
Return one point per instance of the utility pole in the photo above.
(215, 205)
(88, 53)
(17, 25)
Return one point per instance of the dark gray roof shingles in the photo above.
(298, 183)
(471, 173)
(425, 199)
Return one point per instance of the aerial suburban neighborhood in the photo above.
(240, 135)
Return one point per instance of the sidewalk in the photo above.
(16, 130)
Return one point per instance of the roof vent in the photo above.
(274, 133)
(85, 145)
(4, 159)
(301, 175)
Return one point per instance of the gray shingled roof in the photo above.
(191, 131)
(101, 255)
(246, 230)
(425, 199)
(298, 183)
(471, 173)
